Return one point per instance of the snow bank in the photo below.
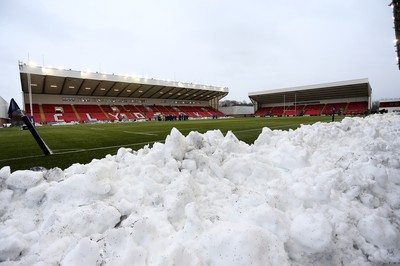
(324, 194)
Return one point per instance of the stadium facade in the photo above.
(3, 112)
(238, 111)
(390, 105)
(54, 95)
(351, 97)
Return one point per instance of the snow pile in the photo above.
(324, 194)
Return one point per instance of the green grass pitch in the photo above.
(85, 142)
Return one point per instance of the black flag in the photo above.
(13, 107)
(15, 111)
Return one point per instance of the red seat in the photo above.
(339, 108)
(357, 108)
(313, 109)
(36, 112)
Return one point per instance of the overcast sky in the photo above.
(247, 46)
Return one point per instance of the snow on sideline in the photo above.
(324, 194)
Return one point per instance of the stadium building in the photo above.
(53, 95)
(3, 112)
(389, 105)
(352, 97)
(238, 111)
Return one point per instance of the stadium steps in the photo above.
(137, 109)
(357, 108)
(125, 111)
(338, 106)
(293, 110)
(76, 113)
(122, 108)
(313, 109)
(101, 108)
(42, 116)
(323, 109)
(132, 109)
(264, 111)
(36, 112)
(272, 110)
(345, 109)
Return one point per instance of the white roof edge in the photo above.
(390, 100)
(25, 68)
(2, 100)
(310, 87)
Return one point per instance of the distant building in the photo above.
(3, 112)
(238, 111)
(391, 105)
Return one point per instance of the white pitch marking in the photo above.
(140, 133)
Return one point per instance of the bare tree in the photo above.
(375, 107)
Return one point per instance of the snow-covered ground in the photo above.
(324, 194)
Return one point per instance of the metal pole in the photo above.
(295, 113)
(29, 86)
(30, 90)
(284, 104)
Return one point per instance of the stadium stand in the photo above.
(232, 109)
(352, 97)
(389, 105)
(36, 113)
(55, 113)
(356, 108)
(4, 119)
(313, 109)
(277, 111)
(60, 95)
(264, 111)
(293, 110)
(338, 108)
(91, 113)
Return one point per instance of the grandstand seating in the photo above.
(125, 112)
(353, 108)
(113, 112)
(146, 111)
(172, 110)
(277, 111)
(90, 112)
(108, 109)
(53, 113)
(357, 108)
(313, 109)
(389, 104)
(36, 112)
(264, 111)
(339, 108)
(213, 111)
(69, 113)
(58, 113)
(293, 110)
(197, 112)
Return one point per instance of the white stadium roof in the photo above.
(327, 91)
(3, 108)
(54, 81)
